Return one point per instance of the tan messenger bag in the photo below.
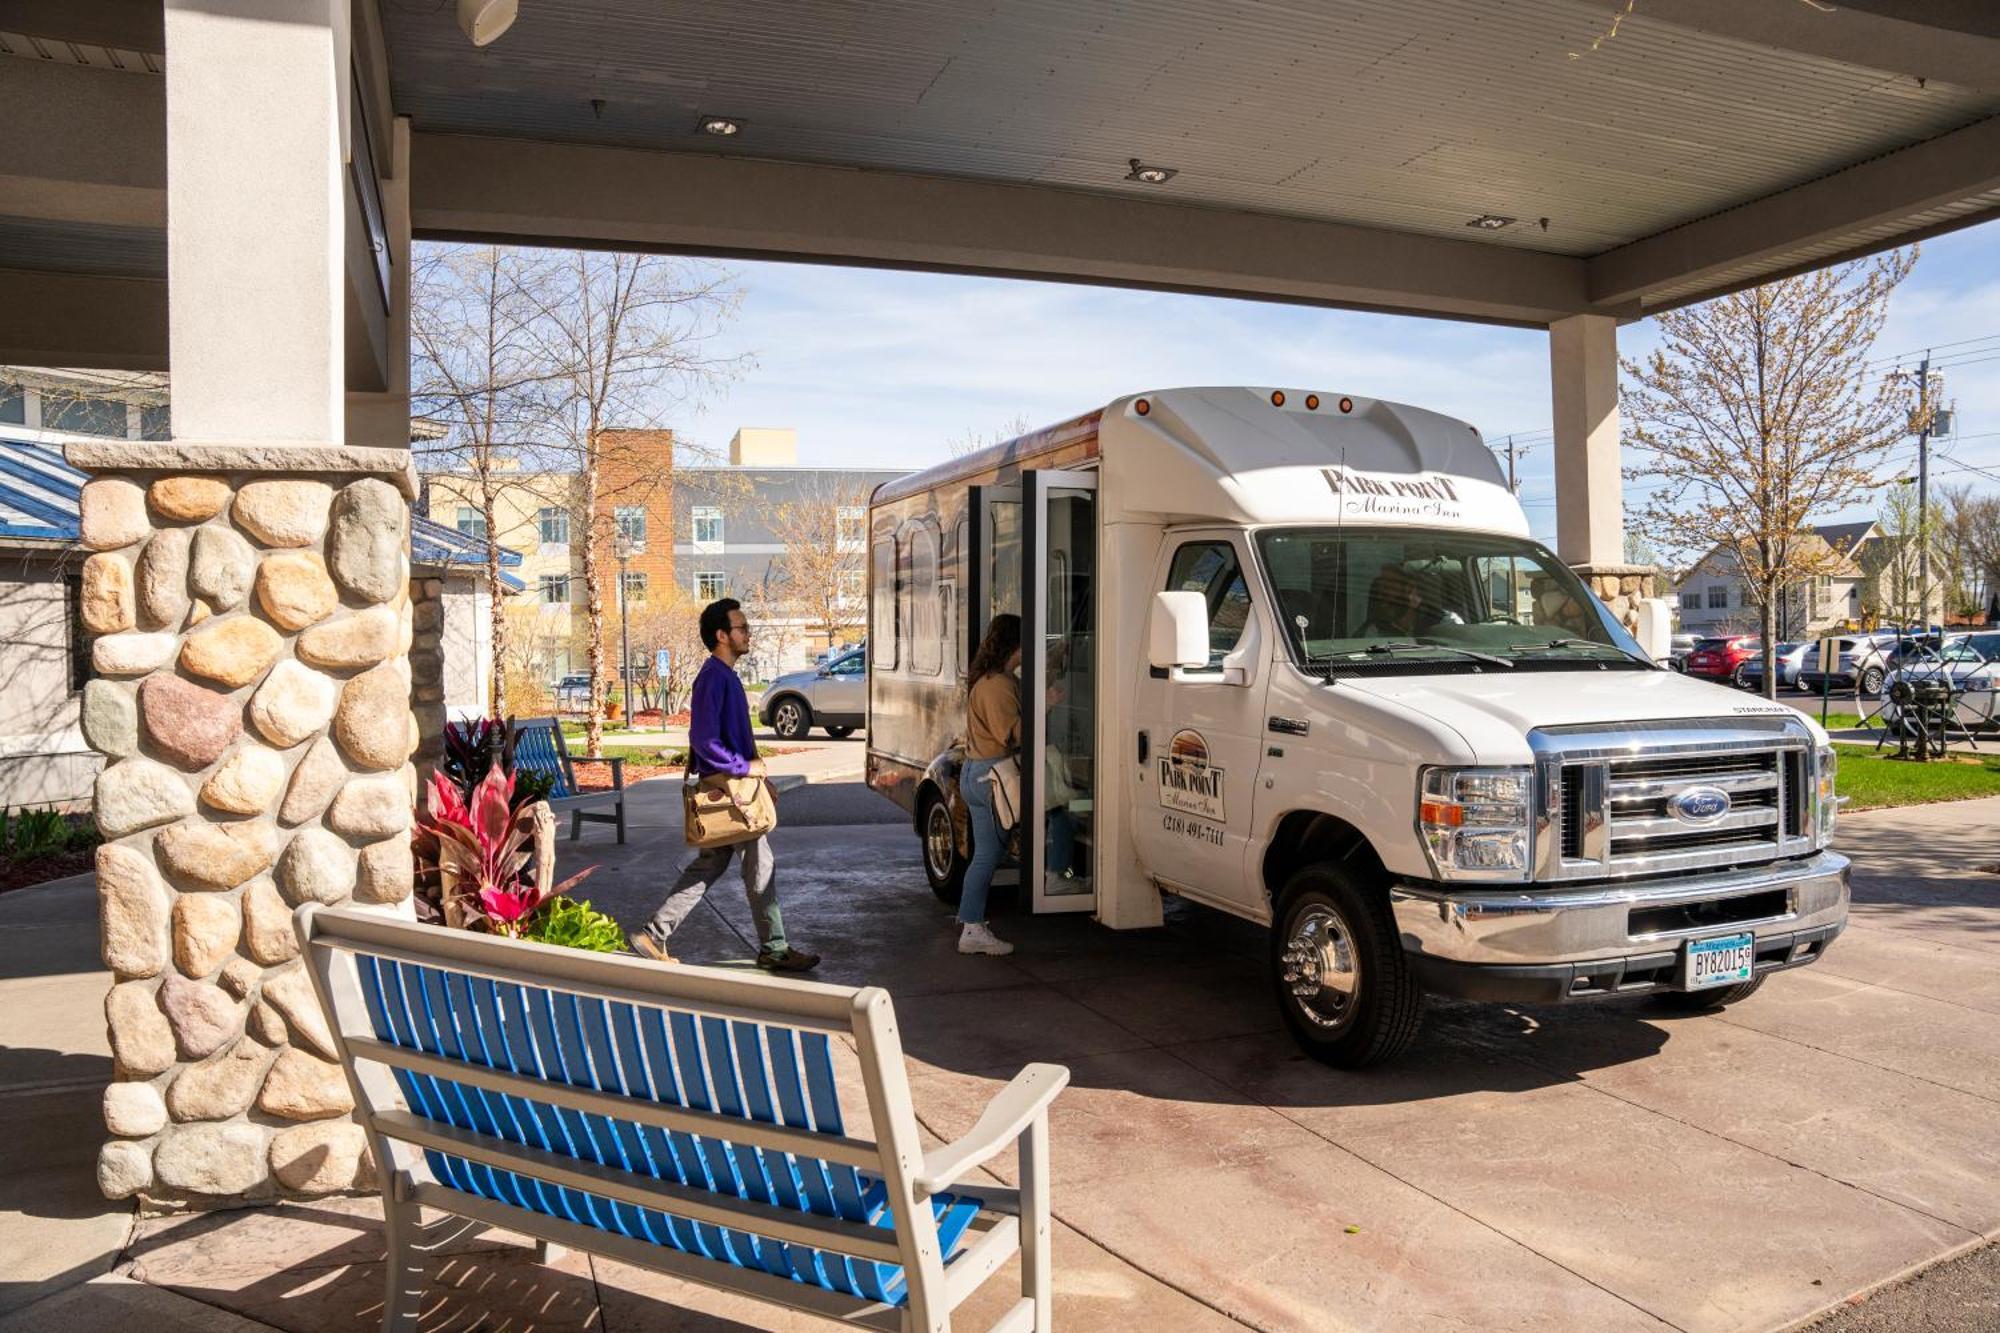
(723, 811)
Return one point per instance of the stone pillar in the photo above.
(252, 703)
(1590, 513)
(427, 671)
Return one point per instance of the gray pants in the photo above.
(759, 886)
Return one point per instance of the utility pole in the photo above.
(1924, 417)
(1512, 484)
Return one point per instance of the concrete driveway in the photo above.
(1603, 1167)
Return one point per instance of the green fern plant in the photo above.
(574, 924)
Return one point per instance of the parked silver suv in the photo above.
(833, 696)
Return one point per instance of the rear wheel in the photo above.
(1871, 680)
(791, 718)
(1740, 677)
(1343, 983)
(1699, 1001)
(840, 733)
(944, 866)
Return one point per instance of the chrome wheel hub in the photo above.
(1318, 968)
(938, 847)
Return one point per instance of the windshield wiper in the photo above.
(1581, 643)
(1488, 658)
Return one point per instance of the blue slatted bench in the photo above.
(682, 1119)
(539, 747)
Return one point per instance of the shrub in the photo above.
(574, 925)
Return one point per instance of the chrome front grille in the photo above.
(1637, 800)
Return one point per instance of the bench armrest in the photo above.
(1012, 1110)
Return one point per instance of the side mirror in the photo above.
(1656, 628)
(1177, 635)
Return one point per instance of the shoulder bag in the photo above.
(1005, 778)
(723, 811)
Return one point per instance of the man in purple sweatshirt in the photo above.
(719, 741)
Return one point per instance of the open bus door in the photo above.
(1034, 552)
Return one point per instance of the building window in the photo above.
(631, 523)
(708, 584)
(635, 585)
(1690, 601)
(13, 405)
(553, 523)
(555, 589)
(708, 529)
(850, 588)
(471, 522)
(84, 416)
(1718, 597)
(851, 527)
(155, 423)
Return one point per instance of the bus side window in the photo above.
(1211, 569)
(883, 637)
(919, 587)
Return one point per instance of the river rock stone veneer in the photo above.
(254, 622)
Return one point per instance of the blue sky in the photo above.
(884, 369)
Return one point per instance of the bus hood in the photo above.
(1495, 711)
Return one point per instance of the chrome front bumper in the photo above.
(1557, 943)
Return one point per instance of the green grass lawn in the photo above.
(1874, 780)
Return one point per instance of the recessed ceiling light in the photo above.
(1149, 175)
(722, 127)
(1491, 222)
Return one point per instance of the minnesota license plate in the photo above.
(1723, 961)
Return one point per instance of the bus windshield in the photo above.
(1350, 596)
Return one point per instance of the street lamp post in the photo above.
(625, 547)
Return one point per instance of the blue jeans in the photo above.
(1061, 843)
(989, 844)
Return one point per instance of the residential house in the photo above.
(1864, 587)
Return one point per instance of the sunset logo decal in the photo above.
(1188, 782)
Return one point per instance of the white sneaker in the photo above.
(980, 939)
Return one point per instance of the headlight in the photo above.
(1475, 821)
(1826, 767)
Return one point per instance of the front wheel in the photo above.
(1871, 681)
(1343, 983)
(1700, 1001)
(1740, 678)
(944, 866)
(791, 719)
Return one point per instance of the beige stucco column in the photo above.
(1590, 506)
(247, 587)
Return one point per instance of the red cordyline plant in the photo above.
(483, 847)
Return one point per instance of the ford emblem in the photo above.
(1699, 805)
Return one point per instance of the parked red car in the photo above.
(1721, 659)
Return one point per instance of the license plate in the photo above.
(1724, 961)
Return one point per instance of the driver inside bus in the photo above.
(1395, 605)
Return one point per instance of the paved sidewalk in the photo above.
(1604, 1167)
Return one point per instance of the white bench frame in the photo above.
(1010, 1219)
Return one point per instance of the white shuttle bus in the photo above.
(1294, 655)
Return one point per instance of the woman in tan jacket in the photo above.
(992, 732)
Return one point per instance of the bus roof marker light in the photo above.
(1142, 407)
(1277, 397)
(1312, 402)
(1347, 404)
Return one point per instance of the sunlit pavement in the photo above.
(1604, 1167)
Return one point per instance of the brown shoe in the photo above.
(791, 960)
(647, 947)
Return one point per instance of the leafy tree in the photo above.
(1756, 416)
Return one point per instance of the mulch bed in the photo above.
(27, 874)
(592, 775)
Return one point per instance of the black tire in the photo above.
(1738, 676)
(1377, 1016)
(840, 733)
(1871, 681)
(1701, 1001)
(791, 718)
(945, 871)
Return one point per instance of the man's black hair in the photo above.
(715, 620)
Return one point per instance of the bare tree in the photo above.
(626, 337)
(824, 530)
(1966, 530)
(970, 441)
(479, 379)
(1756, 414)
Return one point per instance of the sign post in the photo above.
(1829, 658)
